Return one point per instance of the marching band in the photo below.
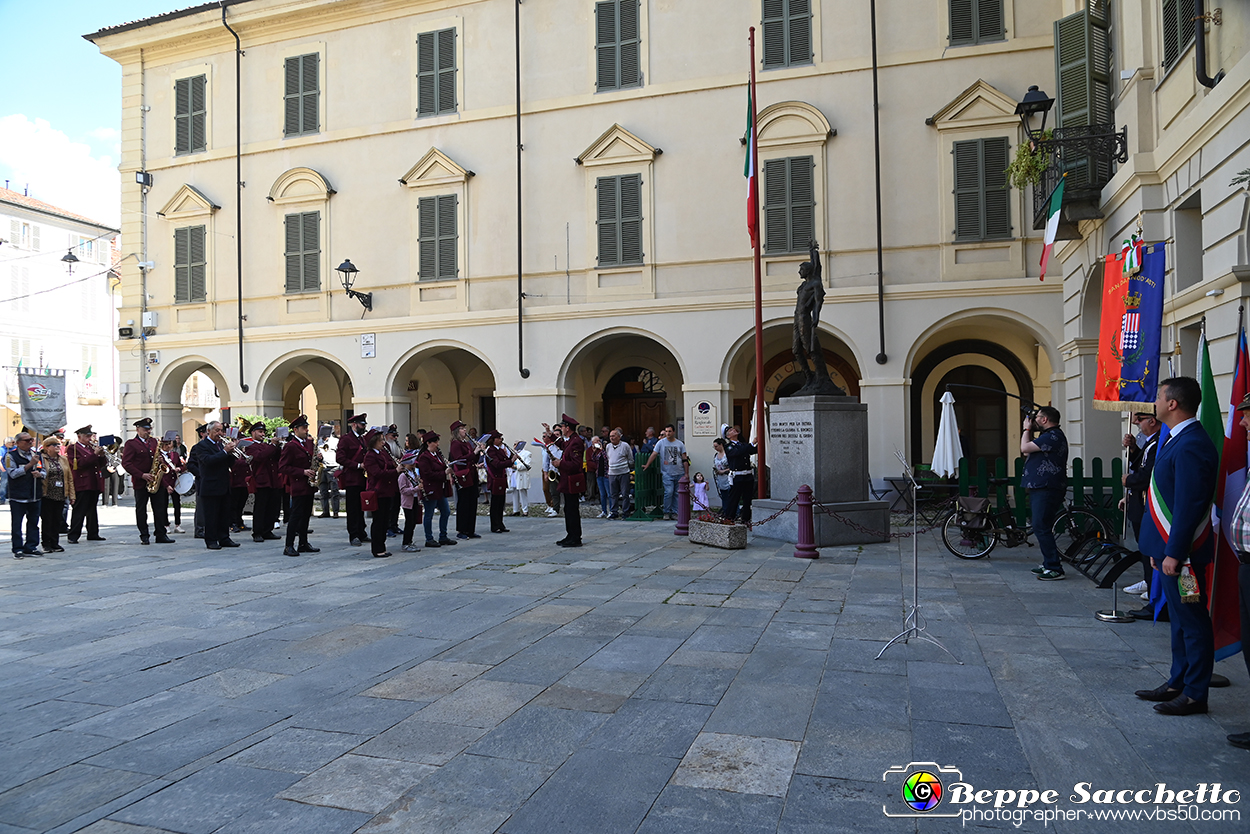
(228, 464)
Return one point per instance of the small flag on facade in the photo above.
(1052, 224)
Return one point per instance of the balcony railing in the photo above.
(1086, 154)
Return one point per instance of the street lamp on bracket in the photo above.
(347, 276)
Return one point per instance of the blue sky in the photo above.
(60, 111)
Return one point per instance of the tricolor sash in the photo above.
(1161, 515)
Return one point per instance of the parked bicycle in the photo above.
(972, 529)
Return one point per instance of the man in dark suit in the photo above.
(1178, 539)
(212, 479)
(1141, 461)
(350, 455)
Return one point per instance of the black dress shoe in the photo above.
(258, 539)
(92, 539)
(164, 540)
(501, 530)
(144, 541)
(1181, 705)
(270, 537)
(463, 536)
(308, 548)
(75, 541)
(228, 543)
(562, 542)
(1161, 693)
(382, 555)
(447, 541)
(475, 536)
(324, 515)
(1241, 740)
(356, 542)
(569, 544)
(54, 549)
(428, 543)
(289, 551)
(213, 546)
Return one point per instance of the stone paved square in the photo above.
(505, 686)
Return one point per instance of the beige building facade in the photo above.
(385, 132)
(1186, 144)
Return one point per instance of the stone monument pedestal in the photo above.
(821, 441)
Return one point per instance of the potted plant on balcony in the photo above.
(709, 528)
(1030, 162)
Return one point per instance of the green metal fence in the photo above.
(648, 490)
(1095, 491)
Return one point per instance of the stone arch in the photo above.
(330, 380)
(738, 351)
(172, 378)
(788, 122)
(992, 316)
(441, 382)
(598, 359)
(300, 185)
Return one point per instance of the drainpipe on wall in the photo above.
(238, 184)
(520, 268)
(1200, 46)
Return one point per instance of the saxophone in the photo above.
(159, 467)
(319, 466)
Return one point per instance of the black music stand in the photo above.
(914, 624)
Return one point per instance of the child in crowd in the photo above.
(698, 493)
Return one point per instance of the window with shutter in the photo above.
(1178, 29)
(619, 219)
(982, 198)
(190, 265)
(1083, 73)
(190, 115)
(303, 252)
(438, 238)
(976, 21)
(436, 72)
(789, 204)
(618, 42)
(301, 95)
(787, 33)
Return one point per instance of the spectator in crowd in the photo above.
(1141, 463)
(620, 457)
(25, 488)
(328, 483)
(519, 479)
(649, 440)
(674, 462)
(597, 454)
(720, 471)
(698, 494)
(58, 490)
(8, 446)
(1045, 450)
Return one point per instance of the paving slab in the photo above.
(358, 783)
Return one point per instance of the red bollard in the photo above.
(806, 547)
(683, 507)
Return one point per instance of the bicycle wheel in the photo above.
(966, 544)
(1077, 525)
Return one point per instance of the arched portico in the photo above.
(435, 384)
(182, 400)
(307, 382)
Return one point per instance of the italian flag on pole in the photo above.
(753, 186)
(1052, 224)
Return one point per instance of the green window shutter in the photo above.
(969, 210)
(774, 24)
(994, 156)
(182, 116)
(447, 268)
(1178, 29)
(990, 21)
(300, 95)
(607, 189)
(606, 42)
(182, 266)
(312, 251)
(199, 264)
(303, 252)
(447, 71)
(630, 219)
(291, 97)
(963, 29)
(802, 202)
(199, 114)
(1083, 73)
(631, 43)
(436, 72)
(789, 204)
(799, 29)
(776, 196)
(437, 238)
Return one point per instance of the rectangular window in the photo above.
(19, 290)
(303, 252)
(436, 72)
(190, 265)
(190, 115)
(1178, 29)
(976, 21)
(789, 204)
(301, 95)
(437, 238)
(620, 220)
(787, 33)
(982, 199)
(617, 45)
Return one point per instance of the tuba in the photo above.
(159, 467)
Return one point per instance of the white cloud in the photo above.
(59, 171)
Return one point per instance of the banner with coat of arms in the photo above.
(1131, 327)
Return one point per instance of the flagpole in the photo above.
(761, 490)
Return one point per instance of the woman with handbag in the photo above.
(382, 480)
(58, 488)
(436, 489)
(410, 493)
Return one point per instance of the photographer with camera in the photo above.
(1045, 450)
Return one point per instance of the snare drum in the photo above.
(184, 483)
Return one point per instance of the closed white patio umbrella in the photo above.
(949, 451)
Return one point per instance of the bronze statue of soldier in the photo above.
(807, 352)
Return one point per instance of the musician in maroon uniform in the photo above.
(350, 455)
(137, 457)
(382, 478)
(436, 487)
(239, 473)
(86, 461)
(464, 454)
(572, 479)
(298, 465)
(266, 481)
(498, 460)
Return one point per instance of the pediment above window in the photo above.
(187, 202)
(617, 145)
(791, 123)
(300, 185)
(435, 168)
(981, 105)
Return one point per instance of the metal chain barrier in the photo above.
(716, 518)
(816, 505)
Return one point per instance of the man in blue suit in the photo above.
(1177, 536)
